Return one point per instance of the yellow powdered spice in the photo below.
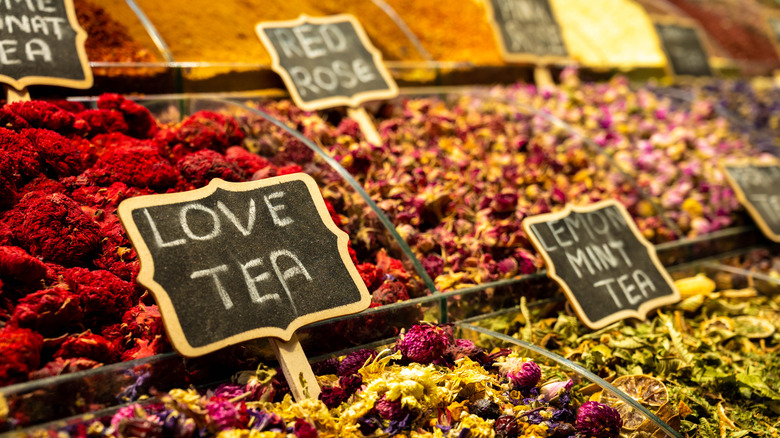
(224, 32)
(609, 33)
(455, 31)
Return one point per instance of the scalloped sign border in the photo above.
(173, 325)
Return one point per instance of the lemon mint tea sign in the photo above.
(326, 61)
(236, 261)
(607, 269)
(41, 42)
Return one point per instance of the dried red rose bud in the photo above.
(53, 227)
(139, 120)
(61, 366)
(90, 346)
(143, 321)
(49, 311)
(287, 170)
(598, 420)
(59, 156)
(389, 292)
(20, 349)
(433, 265)
(139, 165)
(371, 275)
(40, 114)
(17, 149)
(424, 343)
(102, 295)
(102, 121)
(248, 162)
(17, 264)
(199, 168)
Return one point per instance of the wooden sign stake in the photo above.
(13, 95)
(296, 368)
(367, 126)
(543, 77)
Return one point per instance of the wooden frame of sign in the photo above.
(700, 34)
(528, 58)
(645, 307)
(22, 83)
(173, 325)
(328, 102)
(742, 196)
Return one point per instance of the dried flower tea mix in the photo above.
(455, 389)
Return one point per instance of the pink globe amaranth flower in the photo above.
(223, 413)
(527, 376)
(354, 361)
(424, 343)
(598, 420)
(390, 409)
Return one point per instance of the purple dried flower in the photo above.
(328, 366)
(229, 390)
(527, 376)
(354, 361)
(598, 420)
(424, 343)
(433, 265)
(390, 409)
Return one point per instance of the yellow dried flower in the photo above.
(250, 433)
(479, 427)
(188, 397)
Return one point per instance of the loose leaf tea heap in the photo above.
(707, 364)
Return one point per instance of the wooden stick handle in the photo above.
(543, 77)
(360, 115)
(296, 368)
(14, 95)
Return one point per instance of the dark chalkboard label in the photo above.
(326, 61)
(527, 30)
(757, 185)
(607, 269)
(236, 261)
(684, 49)
(42, 43)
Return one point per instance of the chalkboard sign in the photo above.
(41, 42)
(684, 49)
(526, 30)
(757, 185)
(326, 61)
(607, 269)
(236, 261)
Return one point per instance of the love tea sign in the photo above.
(327, 61)
(756, 185)
(526, 30)
(607, 269)
(41, 42)
(236, 261)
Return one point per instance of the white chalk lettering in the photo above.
(618, 245)
(302, 80)
(250, 221)
(363, 70)
(627, 288)
(308, 41)
(547, 247)
(643, 281)
(334, 38)
(769, 205)
(22, 23)
(7, 48)
(215, 227)
(325, 78)
(32, 5)
(37, 47)
(608, 284)
(342, 70)
(273, 209)
(298, 269)
(638, 281)
(556, 232)
(223, 295)
(251, 282)
(287, 43)
(578, 260)
(156, 233)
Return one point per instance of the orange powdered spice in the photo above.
(108, 40)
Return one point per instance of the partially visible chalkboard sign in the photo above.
(756, 184)
(684, 49)
(605, 266)
(236, 261)
(326, 61)
(526, 30)
(41, 42)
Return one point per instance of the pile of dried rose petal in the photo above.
(428, 384)
(68, 297)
